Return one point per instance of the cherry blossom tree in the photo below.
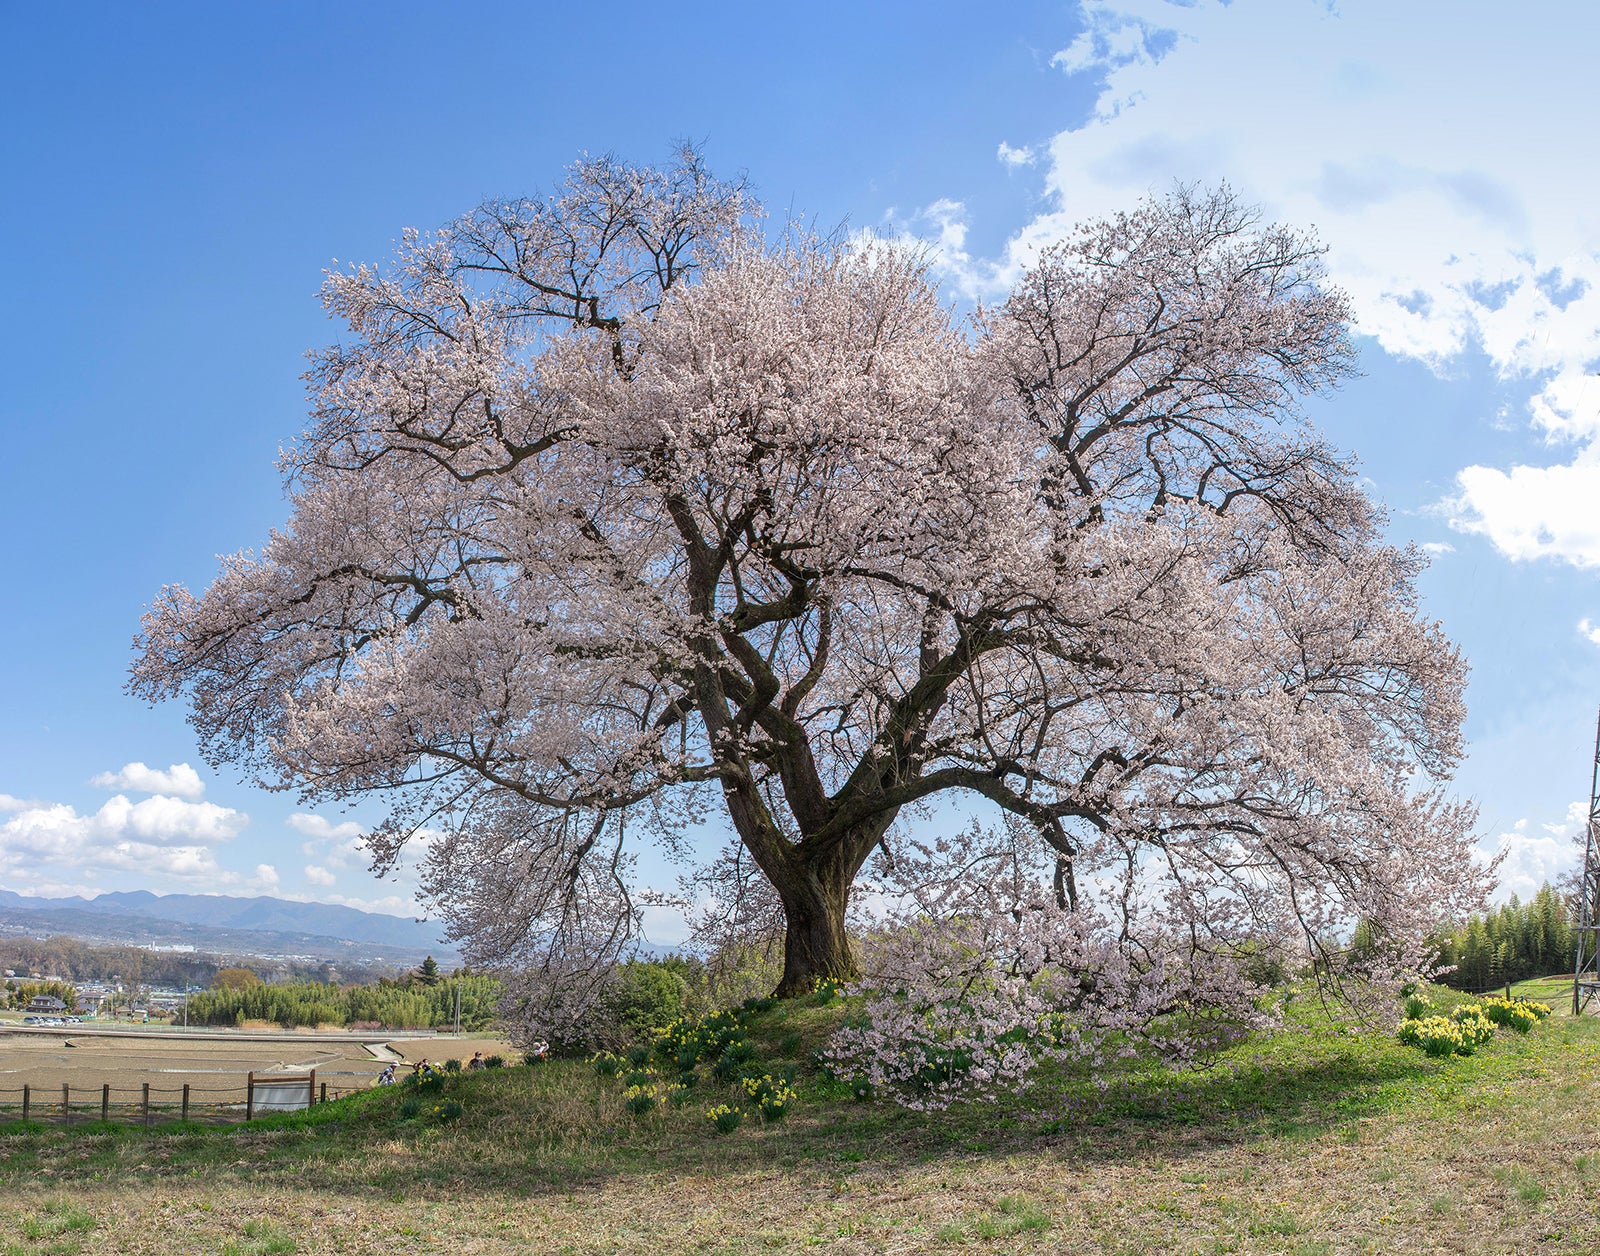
(620, 511)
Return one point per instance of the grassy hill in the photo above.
(1306, 1142)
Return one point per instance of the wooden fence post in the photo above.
(27, 1096)
(311, 1088)
(105, 1101)
(185, 1101)
(147, 1105)
(322, 1095)
(250, 1096)
(66, 1103)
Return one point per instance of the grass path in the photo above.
(1307, 1144)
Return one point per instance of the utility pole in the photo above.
(1586, 972)
(458, 1007)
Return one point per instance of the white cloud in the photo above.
(663, 925)
(338, 854)
(389, 904)
(1530, 861)
(1589, 630)
(9, 804)
(340, 845)
(1533, 512)
(1437, 548)
(1013, 158)
(266, 879)
(179, 779)
(1438, 156)
(320, 828)
(159, 836)
(1573, 825)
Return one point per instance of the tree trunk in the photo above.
(816, 943)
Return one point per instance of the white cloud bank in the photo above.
(180, 779)
(169, 841)
(331, 847)
(337, 855)
(157, 836)
(1443, 150)
(50, 848)
(1530, 860)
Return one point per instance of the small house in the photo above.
(48, 1004)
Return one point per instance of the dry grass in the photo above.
(1301, 1144)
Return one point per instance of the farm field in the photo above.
(1312, 1144)
(213, 1066)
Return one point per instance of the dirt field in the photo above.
(214, 1069)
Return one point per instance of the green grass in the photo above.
(1304, 1141)
(261, 1238)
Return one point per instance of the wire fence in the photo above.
(1504, 987)
(149, 1104)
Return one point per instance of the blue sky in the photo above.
(178, 176)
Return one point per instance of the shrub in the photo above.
(640, 1100)
(826, 990)
(446, 1110)
(638, 1056)
(691, 1039)
(605, 1064)
(1446, 1035)
(772, 1095)
(640, 1077)
(1475, 1026)
(1417, 1006)
(762, 1004)
(1520, 1015)
(733, 1060)
(409, 1107)
(646, 995)
(452, 1066)
(725, 1118)
(494, 1061)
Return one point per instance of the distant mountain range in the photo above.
(220, 923)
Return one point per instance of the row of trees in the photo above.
(1518, 941)
(292, 1004)
(17, 992)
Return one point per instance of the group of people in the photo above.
(422, 1069)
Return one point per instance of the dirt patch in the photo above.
(215, 1070)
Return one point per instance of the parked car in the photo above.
(30, 1020)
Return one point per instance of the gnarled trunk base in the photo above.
(816, 943)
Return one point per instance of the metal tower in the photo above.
(1586, 975)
